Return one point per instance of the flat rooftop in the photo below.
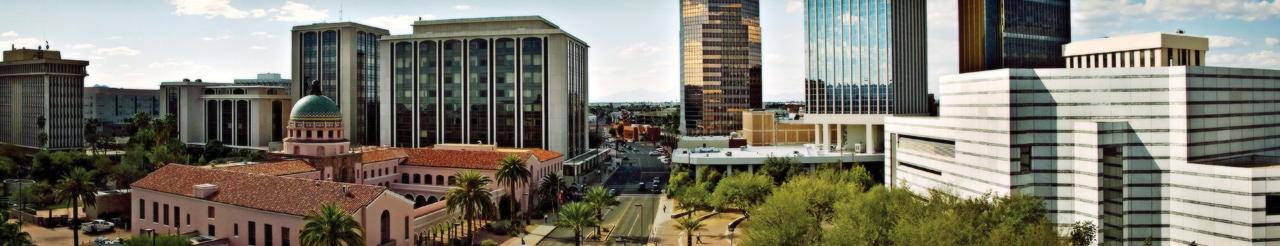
(804, 154)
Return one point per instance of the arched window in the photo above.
(432, 200)
(386, 228)
(417, 178)
(238, 91)
(420, 201)
(453, 180)
(404, 178)
(427, 179)
(439, 180)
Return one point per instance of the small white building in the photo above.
(239, 116)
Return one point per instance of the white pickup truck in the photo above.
(97, 226)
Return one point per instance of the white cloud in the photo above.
(124, 66)
(257, 13)
(297, 12)
(1258, 59)
(396, 24)
(175, 65)
(209, 9)
(1271, 41)
(9, 34)
(1097, 15)
(794, 6)
(114, 38)
(1216, 41)
(255, 47)
(81, 46)
(262, 35)
(224, 36)
(463, 7)
(116, 51)
(640, 49)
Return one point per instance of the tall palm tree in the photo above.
(77, 186)
(689, 225)
(599, 198)
(471, 195)
(11, 234)
(91, 134)
(551, 187)
(512, 170)
(331, 226)
(577, 215)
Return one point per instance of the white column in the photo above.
(826, 136)
(817, 134)
(871, 139)
(839, 136)
(751, 168)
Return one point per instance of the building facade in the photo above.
(997, 34)
(38, 87)
(114, 107)
(865, 60)
(767, 128)
(509, 81)
(1139, 50)
(267, 79)
(239, 116)
(720, 66)
(344, 58)
(1172, 154)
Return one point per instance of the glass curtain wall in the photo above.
(428, 93)
(478, 90)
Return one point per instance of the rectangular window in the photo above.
(284, 236)
(166, 214)
(188, 219)
(253, 233)
(927, 170)
(212, 232)
(235, 229)
(142, 209)
(1273, 204)
(266, 234)
(211, 212)
(1024, 159)
(177, 215)
(155, 212)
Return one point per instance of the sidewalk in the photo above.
(535, 235)
(663, 232)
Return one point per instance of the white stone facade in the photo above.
(1177, 154)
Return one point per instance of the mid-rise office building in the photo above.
(114, 107)
(38, 87)
(997, 34)
(720, 66)
(239, 116)
(509, 81)
(1175, 154)
(1140, 50)
(865, 60)
(344, 58)
(266, 79)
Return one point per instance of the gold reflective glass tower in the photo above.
(720, 64)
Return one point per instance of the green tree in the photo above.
(689, 226)
(91, 126)
(158, 240)
(550, 188)
(331, 226)
(599, 198)
(1083, 233)
(780, 168)
(576, 216)
(511, 171)
(11, 234)
(8, 167)
(24, 196)
(76, 187)
(743, 190)
(140, 120)
(794, 214)
(44, 135)
(471, 195)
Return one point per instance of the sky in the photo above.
(633, 55)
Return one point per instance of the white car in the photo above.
(97, 226)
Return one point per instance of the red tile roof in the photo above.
(382, 155)
(279, 168)
(545, 155)
(286, 195)
(468, 159)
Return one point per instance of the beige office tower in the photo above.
(35, 84)
(344, 58)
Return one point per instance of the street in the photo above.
(632, 219)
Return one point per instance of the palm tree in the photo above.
(577, 215)
(471, 195)
(331, 226)
(599, 198)
(77, 186)
(512, 170)
(551, 187)
(91, 133)
(689, 225)
(12, 233)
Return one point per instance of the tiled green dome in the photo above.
(315, 107)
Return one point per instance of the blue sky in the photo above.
(634, 52)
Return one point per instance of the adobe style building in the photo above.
(394, 193)
(1174, 153)
(38, 83)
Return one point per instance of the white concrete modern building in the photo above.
(1178, 154)
(38, 85)
(1139, 50)
(517, 81)
(240, 116)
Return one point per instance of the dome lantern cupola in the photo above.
(315, 126)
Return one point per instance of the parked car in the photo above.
(642, 187)
(655, 153)
(97, 226)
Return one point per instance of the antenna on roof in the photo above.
(1180, 31)
(340, 11)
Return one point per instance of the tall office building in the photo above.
(719, 64)
(113, 107)
(865, 61)
(38, 83)
(510, 81)
(997, 34)
(344, 58)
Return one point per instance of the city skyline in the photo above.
(221, 40)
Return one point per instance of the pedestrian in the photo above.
(699, 237)
(664, 208)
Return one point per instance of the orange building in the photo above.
(763, 128)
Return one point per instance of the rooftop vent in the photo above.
(204, 191)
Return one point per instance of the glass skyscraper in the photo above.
(865, 57)
(997, 34)
(720, 64)
(344, 58)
